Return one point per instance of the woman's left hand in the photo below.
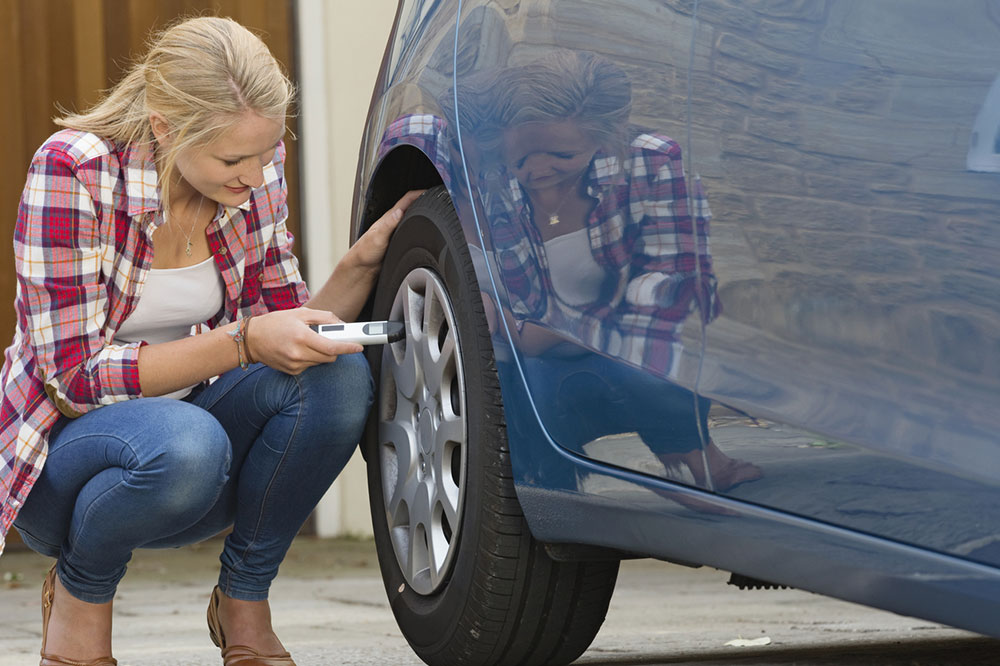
(368, 251)
(347, 289)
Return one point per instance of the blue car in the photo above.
(712, 282)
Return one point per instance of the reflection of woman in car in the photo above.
(161, 209)
(591, 228)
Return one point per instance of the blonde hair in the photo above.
(563, 85)
(568, 85)
(201, 74)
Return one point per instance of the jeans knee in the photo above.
(343, 390)
(192, 464)
(356, 384)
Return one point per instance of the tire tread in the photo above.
(522, 608)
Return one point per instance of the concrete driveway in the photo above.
(330, 608)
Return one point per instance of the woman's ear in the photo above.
(160, 127)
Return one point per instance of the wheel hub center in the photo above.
(425, 430)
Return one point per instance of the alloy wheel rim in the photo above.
(423, 432)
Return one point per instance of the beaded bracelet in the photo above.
(239, 336)
(246, 340)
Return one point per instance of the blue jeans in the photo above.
(257, 450)
(590, 396)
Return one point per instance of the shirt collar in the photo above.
(142, 183)
(141, 180)
(605, 170)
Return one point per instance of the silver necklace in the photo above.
(554, 215)
(187, 237)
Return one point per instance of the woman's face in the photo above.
(230, 166)
(547, 154)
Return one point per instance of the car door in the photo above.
(850, 151)
(569, 116)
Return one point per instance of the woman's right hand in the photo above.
(283, 340)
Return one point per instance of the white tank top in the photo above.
(173, 301)
(576, 277)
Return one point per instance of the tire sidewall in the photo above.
(426, 238)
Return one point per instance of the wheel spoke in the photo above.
(449, 430)
(437, 557)
(432, 314)
(431, 309)
(420, 509)
(438, 366)
(406, 371)
(421, 528)
(447, 491)
(398, 508)
(418, 557)
(423, 495)
(402, 460)
(450, 346)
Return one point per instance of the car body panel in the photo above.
(605, 384)
(906, 417)
(859, 321)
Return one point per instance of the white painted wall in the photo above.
(340, 48)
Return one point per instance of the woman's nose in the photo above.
(252, 174)
(539, 166)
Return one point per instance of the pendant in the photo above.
(187, 250)
(553, 219)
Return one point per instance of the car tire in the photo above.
(481, 591)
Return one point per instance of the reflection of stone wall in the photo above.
(832, 139)
(831, 136)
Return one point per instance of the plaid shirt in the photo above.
(83, 249)
(641, 233)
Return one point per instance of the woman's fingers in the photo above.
(395, 214)
(319, 343)
(311, 316)
(326, 347)
(408, 198)
(284, 340)
(370, 248)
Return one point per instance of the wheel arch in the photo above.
(404, 168)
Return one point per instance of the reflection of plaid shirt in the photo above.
(82, 253)
(425, 132)
(640, 232)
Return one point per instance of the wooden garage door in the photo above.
(65, 52)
